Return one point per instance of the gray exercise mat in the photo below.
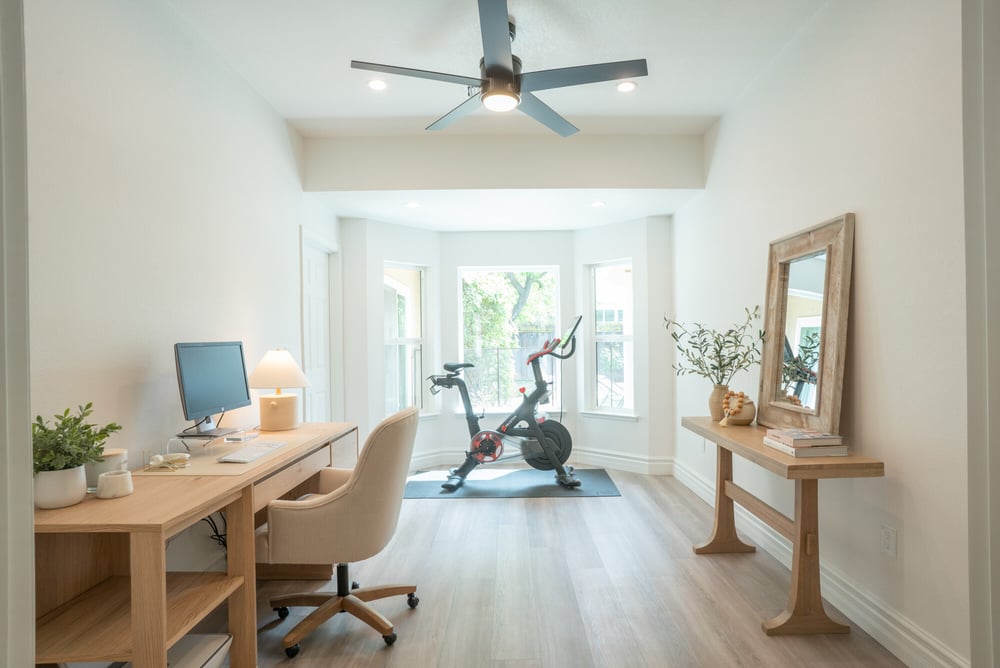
(511, 484)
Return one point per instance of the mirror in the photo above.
(805, 320)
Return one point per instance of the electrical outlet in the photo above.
(888, 541)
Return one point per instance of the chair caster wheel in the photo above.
(292, 652)
(389, 639)
(282, 612)
(412, 600)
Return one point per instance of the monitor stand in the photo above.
(208, 434)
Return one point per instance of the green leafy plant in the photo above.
(70, 441)
(715, 355)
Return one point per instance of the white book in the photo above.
(812, 451)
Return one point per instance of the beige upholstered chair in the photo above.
(352, 518)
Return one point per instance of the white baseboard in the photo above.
(436, 459)
(623, 462)
(894, 631)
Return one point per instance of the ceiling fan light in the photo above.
(500, 100)
(376, 84)
(627, 86)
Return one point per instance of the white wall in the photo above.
(617, 442)
(443, 162)
(164, 201)
(862, 113)
(367, 246)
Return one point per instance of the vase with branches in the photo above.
(717, 355)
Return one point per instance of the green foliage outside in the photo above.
(70, 441)
(498, 307)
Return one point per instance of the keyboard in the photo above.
(249, 453)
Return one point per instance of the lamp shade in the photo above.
(278, 369)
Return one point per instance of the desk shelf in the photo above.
(96, 625)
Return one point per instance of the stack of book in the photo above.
(806, 443)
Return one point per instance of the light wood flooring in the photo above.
(566, 583)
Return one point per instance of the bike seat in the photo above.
(452, 367)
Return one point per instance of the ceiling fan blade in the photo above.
(582, 74)
(464, 109)
(544, 114)
(421, 74)
(493, 24)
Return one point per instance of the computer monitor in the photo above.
(212, 378)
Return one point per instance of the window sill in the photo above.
(604, 415)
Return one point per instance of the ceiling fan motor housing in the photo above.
(498, 79)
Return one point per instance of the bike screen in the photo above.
(564, 341)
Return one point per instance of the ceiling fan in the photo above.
(502, 86)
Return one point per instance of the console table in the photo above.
(804, 613)
(102, 588)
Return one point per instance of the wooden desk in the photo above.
(102, 589)
(804, 613)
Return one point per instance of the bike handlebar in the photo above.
(568, 339)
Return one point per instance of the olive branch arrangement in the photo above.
(715, 355)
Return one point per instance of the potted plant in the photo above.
(715, 355)
(60, 450)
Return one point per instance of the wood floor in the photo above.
(538, 583)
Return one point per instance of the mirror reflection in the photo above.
(803, 327)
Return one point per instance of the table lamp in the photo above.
(278, 369)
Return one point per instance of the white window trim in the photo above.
(421, 391)
(590, 365)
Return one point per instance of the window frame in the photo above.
(555, 402)
(591, 394)
(417, 389)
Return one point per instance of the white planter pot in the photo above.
(57, 489)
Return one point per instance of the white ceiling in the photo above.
(296, 54)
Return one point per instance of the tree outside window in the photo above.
(507, 314)
(612, 383)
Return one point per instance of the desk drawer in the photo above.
(287, 478)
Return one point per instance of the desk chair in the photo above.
(352, 518)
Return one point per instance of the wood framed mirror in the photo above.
(805, 325)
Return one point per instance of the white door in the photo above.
(316, 332)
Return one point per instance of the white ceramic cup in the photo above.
(112, 459)
(113, 484)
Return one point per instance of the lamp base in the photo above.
(279, 412)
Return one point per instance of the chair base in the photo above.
(354, 602)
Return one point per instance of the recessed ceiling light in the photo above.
(376, 84)
(413, 205)
(627, 86)
(597, 204)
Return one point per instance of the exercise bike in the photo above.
(545, 444)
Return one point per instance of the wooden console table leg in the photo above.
(804, 613)
(724, 537)
(148, 566)
(243, 602)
